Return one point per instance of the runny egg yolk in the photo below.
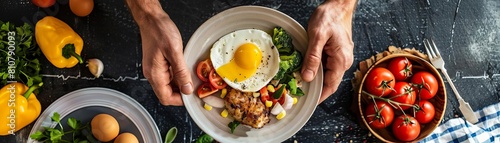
(243, 65)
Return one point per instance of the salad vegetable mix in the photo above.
(278, 96)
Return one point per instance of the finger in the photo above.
(338, 61)
(180, 71)
(181, 74)
(160, 81)
(312, 59)
(155, 69)
(166, 96)
(331, 82)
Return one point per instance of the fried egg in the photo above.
(246, 59)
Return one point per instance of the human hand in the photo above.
(330, 34)
(163, 60)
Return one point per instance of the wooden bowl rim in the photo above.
(384, 59)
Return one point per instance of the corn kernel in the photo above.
(223, 93)
(207, 107)
(281, 115)
(224, 113)
(295, 100)
(269, 103)
(270, 88)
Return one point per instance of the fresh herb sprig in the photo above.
(233, 125)
(27, 65)
(79, 132)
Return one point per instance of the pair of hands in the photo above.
(329, 31)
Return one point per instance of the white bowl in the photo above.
(198, 48)
(84, 104)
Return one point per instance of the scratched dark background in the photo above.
(466, 32)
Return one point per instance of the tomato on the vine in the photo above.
(379, 115)
(400, 67)
(403, 93)
(406, 128)
(216, 80)
(203, 70)
(379, 82)
(206, 89)
(425, 111)
(426, 83)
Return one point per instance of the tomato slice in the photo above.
(216, 80)
(206, 89)
(203, 70)
(264, 96)
(282, 98)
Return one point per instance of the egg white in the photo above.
(224, 49)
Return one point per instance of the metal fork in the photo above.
(438, 62)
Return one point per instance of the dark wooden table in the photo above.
(466, 32)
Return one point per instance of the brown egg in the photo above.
(104, 127)
(126, 138)
(81, 7)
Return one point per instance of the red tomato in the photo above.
(282, 99)
(206, 89)
(264, 96)
(403, 93)
(203, 70)
(426, 83)
(380, 116)
(379, 82)
(216, 80)
(44, 3)
(400, 67)
(405, 128)
(425, 111)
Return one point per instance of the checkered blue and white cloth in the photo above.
(457, 130)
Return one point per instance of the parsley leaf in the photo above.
(73, 123)
(79, 133)
(18, 55)
(233, 125)
(38, 135)
(56, 117)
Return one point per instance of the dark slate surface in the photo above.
(467, 33)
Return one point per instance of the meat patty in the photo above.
(247, 109)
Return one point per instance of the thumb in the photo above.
(312, 59)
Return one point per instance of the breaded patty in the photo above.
(247, 109)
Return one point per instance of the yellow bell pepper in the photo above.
(59, 43)
(19, 106)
